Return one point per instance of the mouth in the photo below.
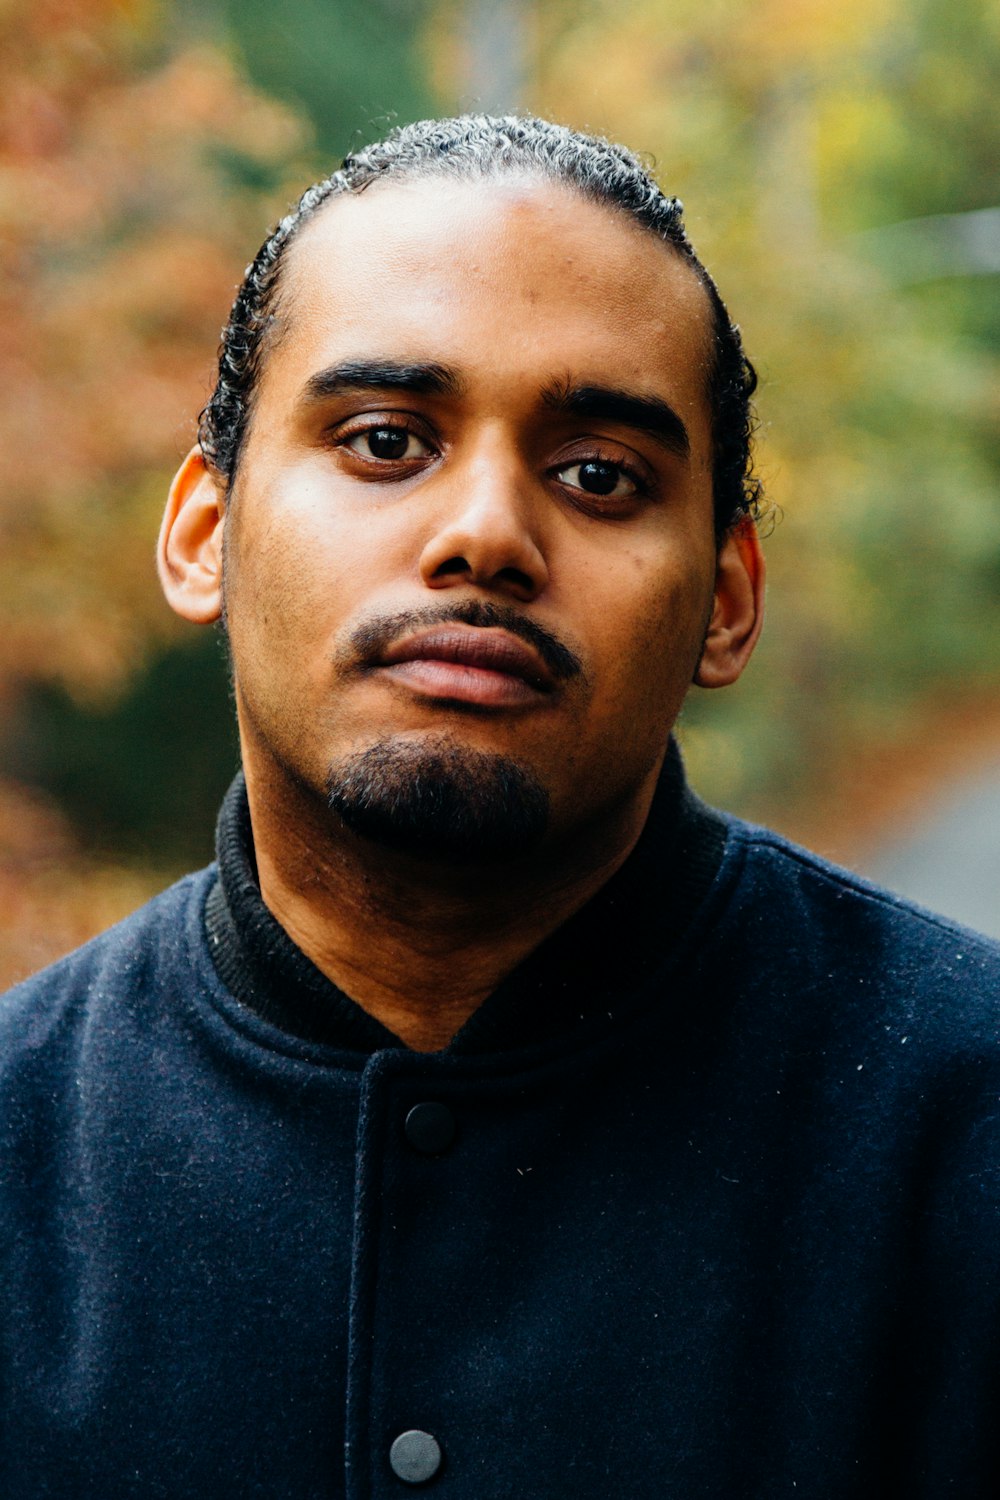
(482, 667)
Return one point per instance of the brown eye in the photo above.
(389, 443)
(598, 477)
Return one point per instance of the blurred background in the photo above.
(840, 163)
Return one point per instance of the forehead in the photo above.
(515, 282)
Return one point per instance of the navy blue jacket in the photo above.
(734, 1235)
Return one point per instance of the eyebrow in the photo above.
(381, 375)
(648, 414)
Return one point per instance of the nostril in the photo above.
(520, 582)
(451, 566)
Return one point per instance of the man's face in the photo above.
(473, 516)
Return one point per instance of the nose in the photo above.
(489, 536)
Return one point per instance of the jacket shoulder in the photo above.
(821, 923)
(118, 965)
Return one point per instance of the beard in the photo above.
(440, 801)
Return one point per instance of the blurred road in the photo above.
(950, 859)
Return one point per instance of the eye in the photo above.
(597, 476)
(388, 443)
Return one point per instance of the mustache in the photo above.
(369, 640)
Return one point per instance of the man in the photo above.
(494, 1116)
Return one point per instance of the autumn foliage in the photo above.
(135, 179)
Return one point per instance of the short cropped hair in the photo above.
(473, 147)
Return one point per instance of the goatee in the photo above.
(440, 800)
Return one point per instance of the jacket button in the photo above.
(415, 1457)
(430, 1128)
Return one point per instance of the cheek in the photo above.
(651, 651)
(282, 592)
(645, 629)
(289, 566)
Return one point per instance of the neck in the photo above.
(416, 944)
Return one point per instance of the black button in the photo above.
(430, 1128)
(415, 1457)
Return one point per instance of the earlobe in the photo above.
(189, 550)
(738, 608)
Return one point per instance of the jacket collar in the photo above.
(599, 956)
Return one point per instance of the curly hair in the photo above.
(482, 147)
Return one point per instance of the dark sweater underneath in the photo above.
(733, 1235)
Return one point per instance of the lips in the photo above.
(472, 665)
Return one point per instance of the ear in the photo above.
(738, 608)
(189, 551)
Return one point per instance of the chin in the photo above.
(440, 800)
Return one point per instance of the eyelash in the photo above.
(629, 471)
(342, 437)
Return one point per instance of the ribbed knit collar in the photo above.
(588, 964)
